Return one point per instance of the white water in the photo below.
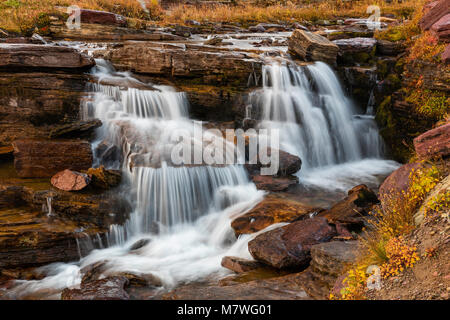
(321, 125)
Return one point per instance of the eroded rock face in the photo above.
(312, 47)
(111, 288)
(80, 129)
(42, 158)
(351, 210)
(433, 144)
(69, 180)
(289, 246)
(42, 56)
(271, 210)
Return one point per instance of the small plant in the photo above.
(437, 204)
(400, 256)
(430, 252)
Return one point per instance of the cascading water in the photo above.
(320, 124)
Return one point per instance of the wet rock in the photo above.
(288, 164)
(273, 209)
(42, 56)
(434, 13)
(104, 178)
(112, 288)
(282, 288)
(397, 183)
(389, 48)
(216, 41)
(29, 239)
(289, 246)
(240, 265)
(257, 29)
(93, 271)
(274, 184)
(68, 180)
(349, 32)
(355, 50)
(102, 17)
(441, 29)
(205, 65)
(139, 244)
(40, 158)
(141, 279)
(124, 83)
(433, 144)
(271, 27)
(312, 47)
(81, 129)
(351, 210)
(108, 154)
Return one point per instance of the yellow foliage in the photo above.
(400, 256)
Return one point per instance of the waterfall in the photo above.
(319, 123)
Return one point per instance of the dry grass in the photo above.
(23, 15)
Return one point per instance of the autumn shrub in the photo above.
(400, 256)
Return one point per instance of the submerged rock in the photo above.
(68, 180)
(273, 209)
(111, 288)
(433, 144)
(309, 46)
(43, 158)
(289, 246)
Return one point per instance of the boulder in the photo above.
(389, 48)
(397, 183)
(68, 180)
(288, 164)
(351, 210)
(441, 29)
(273, 209)
(240, 265)
(433, 144)
(42, 56)
(139, 244)
(103, 178)
(42, 158)
(80, 129)
(434, 13)
(355, 50)
(111, 288)
(309, 46)
(274, 184)
(102, 17)
(289, 246)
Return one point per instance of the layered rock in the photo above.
(289, 246)
(441, 29)
(42, 56)
(312, 47)
(434, 13)
(80, 129)
(356, 50)
(273, 209)
(41, 158)
(351, 210)
(240, 265)
(433, 144)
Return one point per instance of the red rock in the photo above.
(397, 183)
(240, 265)
(102, 17)
(433, 13)
(42, 158)
(433, 144)
(271, 210)
(42, 56)
(289, 246)
(111, 288)
(442, 28)
(446, 55)
(350, 211)
(275, 184)
(68, 180)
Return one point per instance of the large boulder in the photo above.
(309, 46)
(289, 246)
(42, 56)
(42, 158)
(111, 288)
(351, 210)
(433, 144)
(69, 180)
(273, 209)
(434, 12)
